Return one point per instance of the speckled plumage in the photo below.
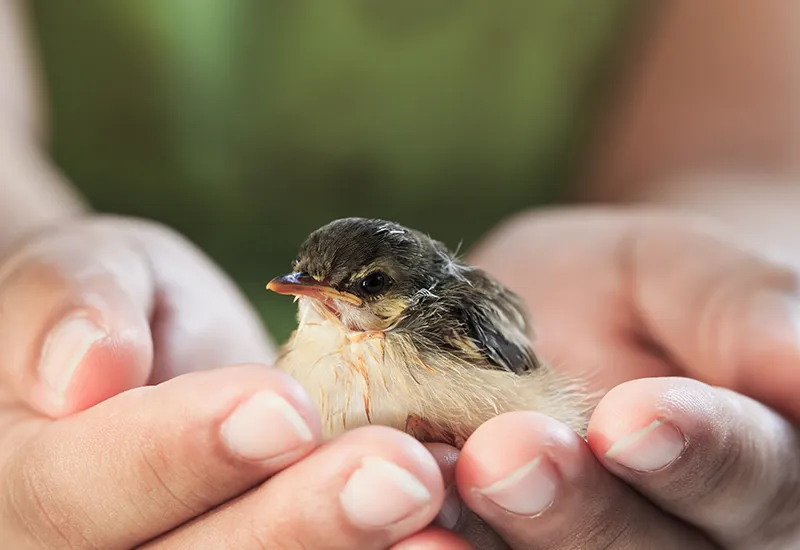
(440, 350)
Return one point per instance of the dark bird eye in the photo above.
(374, 283)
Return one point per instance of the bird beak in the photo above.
(301, 284)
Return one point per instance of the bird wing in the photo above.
(493, 328)
(476, 319)
(498, 331)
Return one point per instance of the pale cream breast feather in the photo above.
(360, 378)
(343, 371)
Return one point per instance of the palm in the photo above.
(618, 296)
(577, 292)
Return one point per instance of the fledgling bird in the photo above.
(394, 330)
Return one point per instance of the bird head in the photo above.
(364, 272)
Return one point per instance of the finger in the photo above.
(435, 538)
(538, 485)
(452, 511)
(368, 489)
(545, 258)
(201, 319)
(454, 516)
(671, 290)
(82, 310)
(166, 454)
(710, 456)
(727, 316)
(74, 310)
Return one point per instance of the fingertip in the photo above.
(693, 449)
(447, 457)
(288, 437)
(80, 330)
(392, 483)
(639, 405)
(433, 538)
(108, 367)
(510, 440)
(370, 487)
(185, 446)
(452, 510)
(399, 447)
(260, 376)
(225, 384)
(261, 420)
(516, 462)
(646, 425)
(80, 361)
(621, 411)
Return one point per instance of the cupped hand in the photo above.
(118, 428)
(108, 304)
(698, 340)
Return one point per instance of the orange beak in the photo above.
(301, 284)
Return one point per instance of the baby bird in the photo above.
(394, 330)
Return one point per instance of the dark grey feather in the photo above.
(452, 307)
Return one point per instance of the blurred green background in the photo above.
(246, 124)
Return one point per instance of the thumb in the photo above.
(109, 304)
(726, 315)
(74, 320)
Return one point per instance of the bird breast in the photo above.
(345, 372)
(359, 378)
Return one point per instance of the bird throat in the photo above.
(346, 372)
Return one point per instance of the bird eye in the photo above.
(374, 283)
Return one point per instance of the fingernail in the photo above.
(649, 449)
(451, 511)
(64, 350)
(528, 491)
(265, 427)
(381, 493)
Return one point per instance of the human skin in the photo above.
(121, 422)
(114, 390)
(645, 160)
(689, 333)
(704, 119)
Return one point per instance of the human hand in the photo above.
(688, 329)
(109, 441)
(108, 304)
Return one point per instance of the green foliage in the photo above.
(246, 124)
